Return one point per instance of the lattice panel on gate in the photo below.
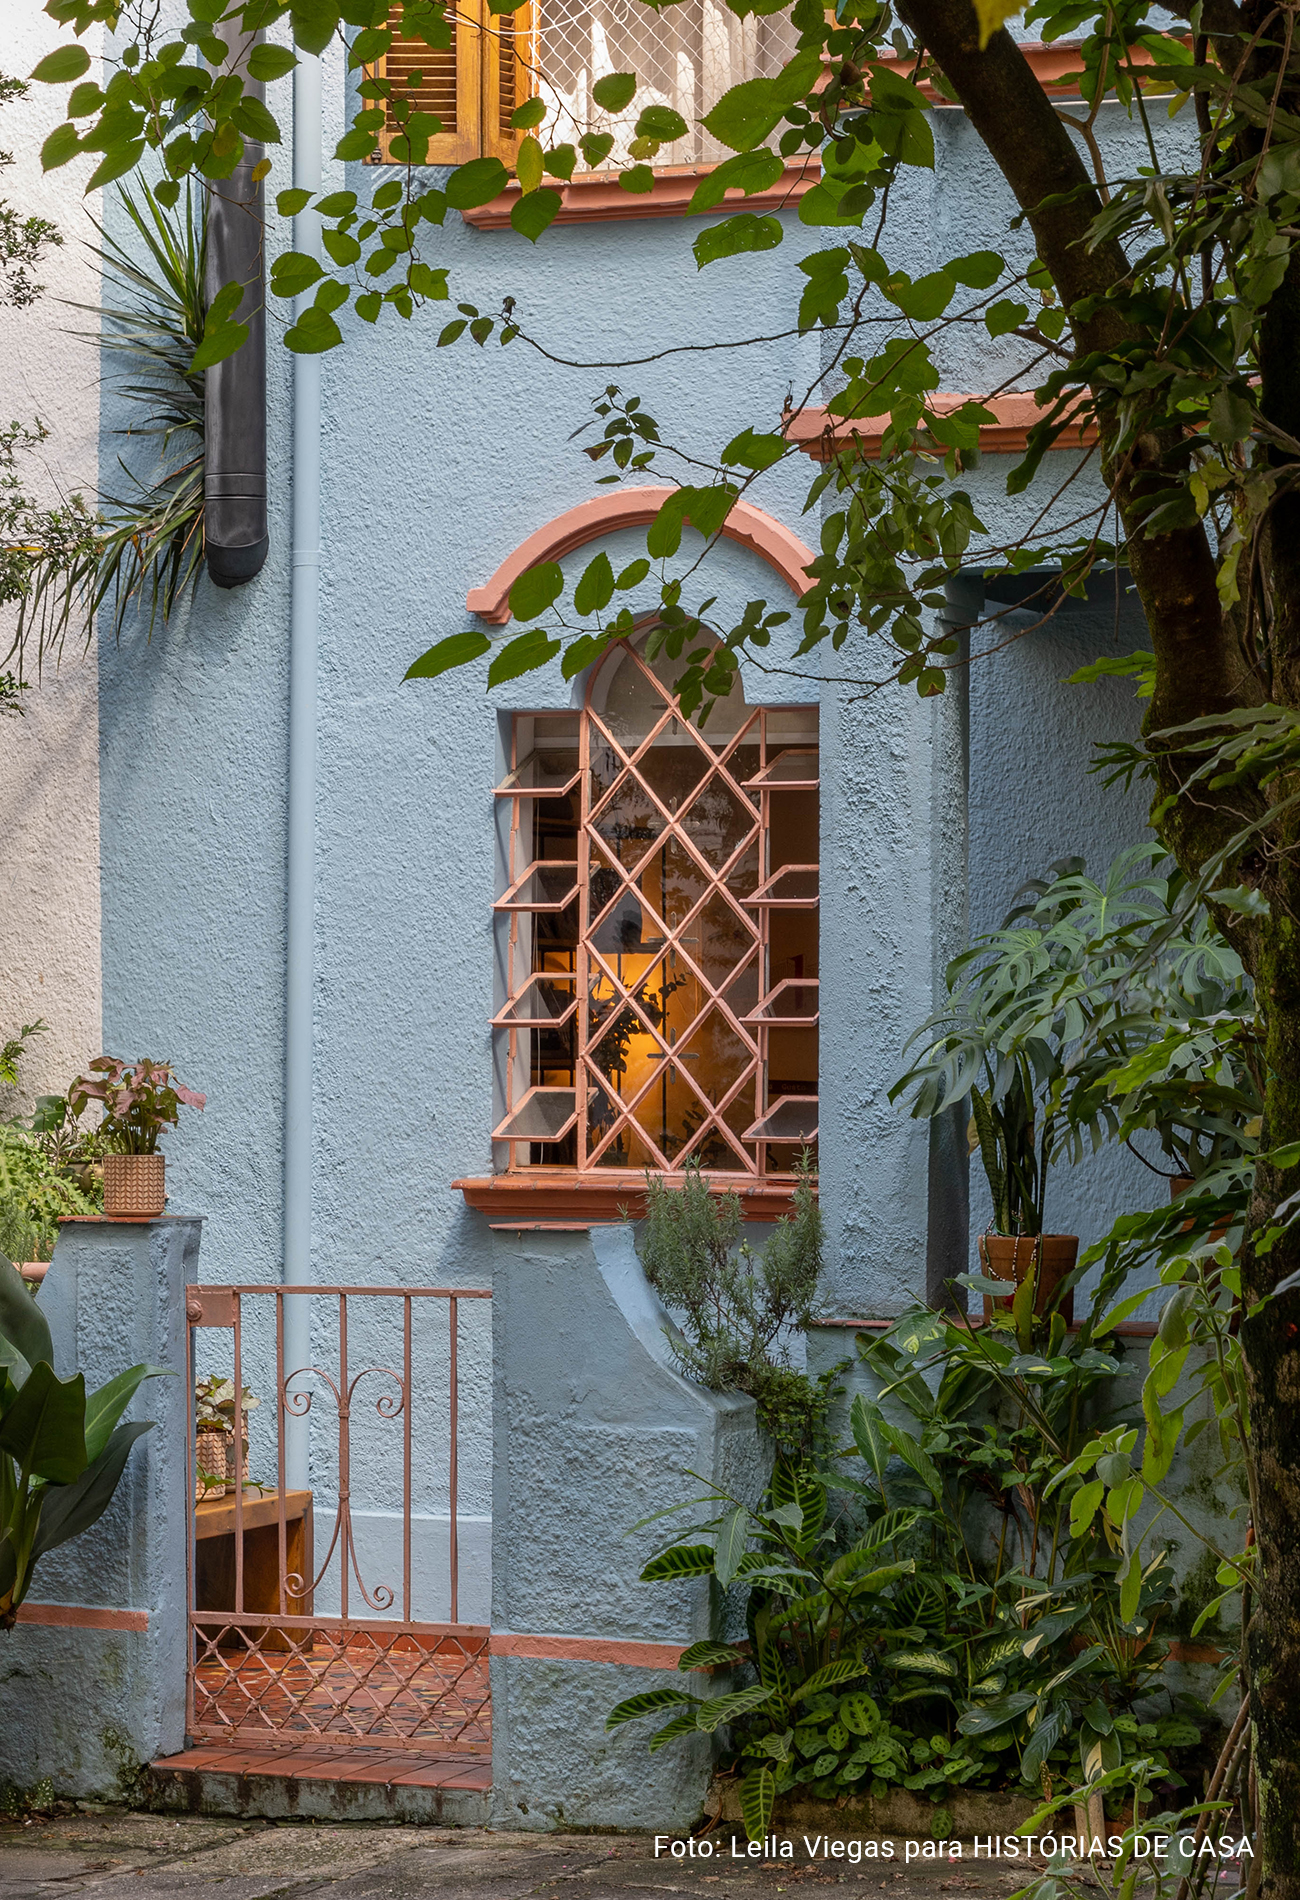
(425, 1690)
(685, 57)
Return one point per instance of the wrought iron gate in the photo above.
(363, 1434)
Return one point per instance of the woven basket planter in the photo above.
(134, 1186)
(211, 1465)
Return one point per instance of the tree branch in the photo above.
(1200, 669)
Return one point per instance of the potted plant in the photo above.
(217, 1466)
(1060, 1027)
(139, 1102)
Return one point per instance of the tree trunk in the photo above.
(1201, 669)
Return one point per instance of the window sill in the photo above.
(563, 1201)
(598, 198)
(823, 436)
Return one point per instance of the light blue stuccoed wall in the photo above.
(436, 465)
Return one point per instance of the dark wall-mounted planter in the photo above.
(234, 467)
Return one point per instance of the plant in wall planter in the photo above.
(218, 1467)
(1086, 1017)
(139, 1102)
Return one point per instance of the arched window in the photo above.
(657, 939)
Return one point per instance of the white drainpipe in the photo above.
(304, 629)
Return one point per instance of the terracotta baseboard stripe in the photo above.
(586, 1649)
(79, 1616)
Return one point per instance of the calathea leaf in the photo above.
(683, 1724)
(725, 1708)
(757, 1794)
(709, 1656)
(647, 1703)
(683, 1560)
(845, 1670)
(732, 1539)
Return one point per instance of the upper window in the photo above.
(684, 56)
(657, 936)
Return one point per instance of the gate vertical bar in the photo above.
(407, 1403)
(239, 1461)
(280, 1414)
(191, 1494)
(453, 1531)
(345, 1501)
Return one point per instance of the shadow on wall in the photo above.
(1033, 800)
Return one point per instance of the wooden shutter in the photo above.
(450, 86)
(509, 70)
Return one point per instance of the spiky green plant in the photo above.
(146, 543)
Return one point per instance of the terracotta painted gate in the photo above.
(327, 1563)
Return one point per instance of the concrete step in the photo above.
(322, 1782)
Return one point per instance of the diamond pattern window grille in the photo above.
(649, 949)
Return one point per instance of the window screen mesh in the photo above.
(684, 57)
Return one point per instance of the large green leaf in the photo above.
(864, 1420)
(746, 231)
(106, 1406)
(536, 589)
(683, 1560)
(746, 171)
(456, 650)
(44, 1430)
(732, 1539)
(615, 91)
(647, 1703)
(683, 1724)
(709, 1656)
(476, 183)
(535, 212)
(73, 1508)
(757, 1794)
(725, 1708)
(63, 65)
(21, 1319)
(524, 654)
(846, 1670)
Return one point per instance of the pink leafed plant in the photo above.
(140, 1100)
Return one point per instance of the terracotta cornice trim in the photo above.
(634, 508)
(598, 198)
(824, 436)
(79, 1616)
(567, 1202)
(587, 1649)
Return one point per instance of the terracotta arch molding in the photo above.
(635, 508)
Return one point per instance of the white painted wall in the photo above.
(49, 759)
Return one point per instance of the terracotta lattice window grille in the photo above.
(657, 938)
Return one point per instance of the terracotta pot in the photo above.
(1016, 1256)
(134, 1187)
(33, 1271)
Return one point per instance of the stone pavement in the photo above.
(118, 1855)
